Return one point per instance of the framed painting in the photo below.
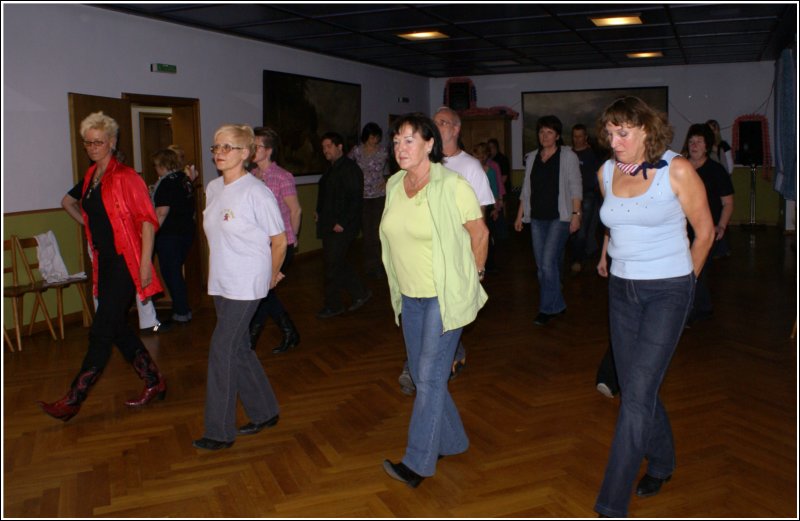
(578, 106)
(301, 109)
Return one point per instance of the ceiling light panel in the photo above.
(618, 20)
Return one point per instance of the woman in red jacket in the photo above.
(114, 206)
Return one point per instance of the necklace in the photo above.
(416, 184)
(97, 177)
(95, 183)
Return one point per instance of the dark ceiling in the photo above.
(500, 38)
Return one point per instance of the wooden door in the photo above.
(185, 125)
(155, 133)
(477, 129)
(80, 106)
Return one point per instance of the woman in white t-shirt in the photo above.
(247, 245)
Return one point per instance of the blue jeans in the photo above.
(584, 241)
(549, 239)
(435, 426)
(646, 318)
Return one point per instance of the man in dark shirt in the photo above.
(338, 218)
(584, 241)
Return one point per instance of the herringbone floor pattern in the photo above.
(539, 431)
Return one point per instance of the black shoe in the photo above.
(291, 337)
(402, 473)
(253, 428)
(328, 313)
(543, 318)
(209, 444)
(360, 302)
(649, 486)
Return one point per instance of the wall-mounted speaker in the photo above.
(751, 148)
(458, 95)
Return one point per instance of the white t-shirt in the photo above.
(239, 220)
(472, 170)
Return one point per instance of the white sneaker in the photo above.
(605, 390)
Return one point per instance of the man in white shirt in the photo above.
(449, 124)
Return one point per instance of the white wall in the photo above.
(50, 50)
(696, 93)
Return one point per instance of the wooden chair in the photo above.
(23, 250)
(24, 247)
(17, 291)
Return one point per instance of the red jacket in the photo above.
(128, 205)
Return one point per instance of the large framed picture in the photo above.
(578, 106)
(301, 109)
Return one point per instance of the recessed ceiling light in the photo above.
(605, 21)
(656, 54)
(423, 35)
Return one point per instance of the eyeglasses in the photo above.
(225, 149)
(96, 144)
(259, 145)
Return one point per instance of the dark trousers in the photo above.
(339, 274)
(607, 373)
(234, 370)
(702, 295)
(172, 251)
(116, 292)
(271, 306)
(646, 321)
(370, 221)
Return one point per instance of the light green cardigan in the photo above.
(455, 275)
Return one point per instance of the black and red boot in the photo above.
(155, 385)
(70, 404)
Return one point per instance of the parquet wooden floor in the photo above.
(539, 431)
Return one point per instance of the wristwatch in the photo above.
(481, 273)
(576, 213)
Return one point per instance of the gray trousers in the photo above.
(234, 369)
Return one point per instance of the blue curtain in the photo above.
(786, 126)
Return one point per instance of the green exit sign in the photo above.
(163, 67)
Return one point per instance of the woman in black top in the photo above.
(174, 202)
